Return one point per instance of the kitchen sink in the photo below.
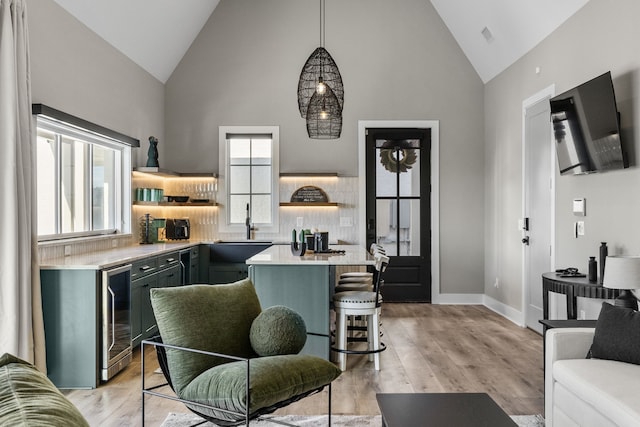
(236, 251)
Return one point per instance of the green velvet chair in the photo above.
(227, 359)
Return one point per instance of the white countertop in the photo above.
(281, 255)
(113, 257)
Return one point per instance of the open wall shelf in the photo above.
(188, 204)
(311, 204)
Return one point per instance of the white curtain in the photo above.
(21, 324)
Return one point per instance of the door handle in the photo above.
(525, 240)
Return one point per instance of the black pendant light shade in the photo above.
(324, 115)
(320, 68)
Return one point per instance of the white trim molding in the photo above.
(434, 125)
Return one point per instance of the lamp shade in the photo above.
(324, 116)
(622, 272)
(319, 68)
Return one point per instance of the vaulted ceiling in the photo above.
(155, 34)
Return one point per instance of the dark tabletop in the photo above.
(441, 410)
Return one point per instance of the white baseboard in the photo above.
(459, 299)
(500, 308)
(504, 310)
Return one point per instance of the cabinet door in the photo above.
(193, 271)
(148, 321)
(136, 315)
(221, 273)
(169, 277)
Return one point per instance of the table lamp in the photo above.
(623, 272)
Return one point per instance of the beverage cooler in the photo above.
(116, 350)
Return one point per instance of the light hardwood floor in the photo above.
(430, 348)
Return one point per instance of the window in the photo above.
(249, 159)
(84, 182)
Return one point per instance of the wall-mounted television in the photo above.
(586, 128)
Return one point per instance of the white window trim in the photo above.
(123, 178)
(223, 172)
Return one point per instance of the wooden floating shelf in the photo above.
(166, 173)
(140, 203)
(309, 174)
(308, 203)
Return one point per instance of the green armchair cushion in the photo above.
(29, 398)
(214, 318)
(278, 330)
(272, 379)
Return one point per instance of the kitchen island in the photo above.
(304, 284)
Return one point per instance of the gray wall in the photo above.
(398, 62)
(75, 71)
(600, 37)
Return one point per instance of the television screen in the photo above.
(586, 128)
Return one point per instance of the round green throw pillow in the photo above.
(278, 330)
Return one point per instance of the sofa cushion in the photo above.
(278, 330)
(191, 316)
(570, 411)
(29, 398)
(273, 379)
(617, 335)
(606, 385)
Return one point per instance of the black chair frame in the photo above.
(161, 347)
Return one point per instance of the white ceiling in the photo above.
(516, 26)
(155, 34)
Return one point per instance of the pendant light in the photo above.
(320, 85)
(324, 115)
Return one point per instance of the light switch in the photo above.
(579, 207)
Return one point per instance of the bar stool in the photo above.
(366, 304)
(358, 280)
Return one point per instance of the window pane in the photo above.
(261, 209)
(46, 178)
(409, 227)
(239, 179)
(261, 152)
(239, 151)
(238, 209)
(104, 186)
(74, 180)
(261, 179)
(409, 172)
(385, 228)
(386, 180)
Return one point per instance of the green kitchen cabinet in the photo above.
(194, 265)
(71, 311)
(303, 288)
(160, 271)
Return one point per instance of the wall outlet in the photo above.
(114, 243)
(580, 228)
(299, 221)
(497, 282)
(67, 250)
(582, 315)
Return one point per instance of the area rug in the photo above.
(185, 420)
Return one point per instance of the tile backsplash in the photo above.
(341, 222)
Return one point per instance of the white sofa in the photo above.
(587, 392)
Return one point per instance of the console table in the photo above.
(572, 288)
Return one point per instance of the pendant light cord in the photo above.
(321, 23)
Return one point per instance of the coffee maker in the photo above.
(177, 229)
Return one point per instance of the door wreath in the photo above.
(407, 158)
